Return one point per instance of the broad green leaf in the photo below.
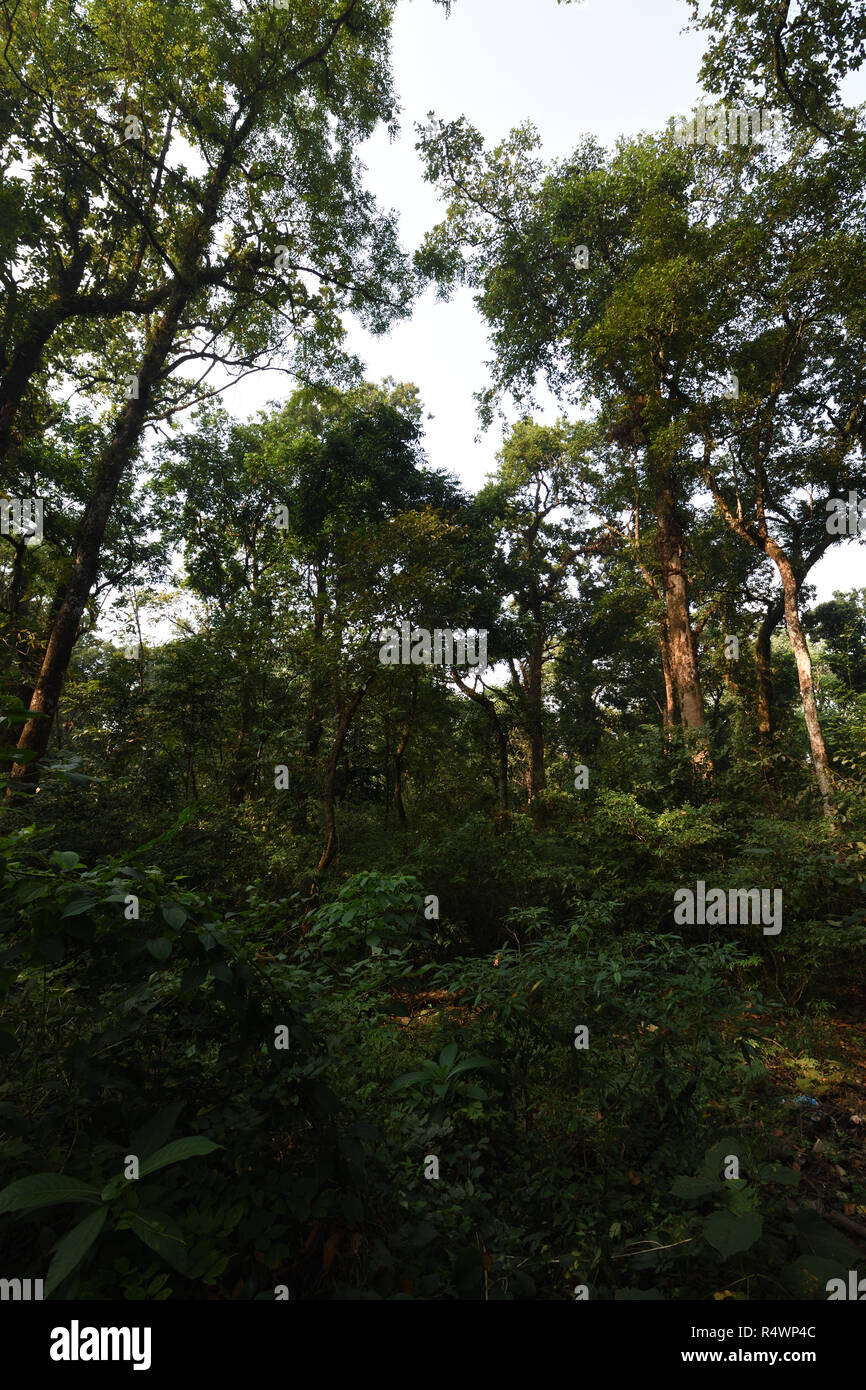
(79, 905)
(71, 1248)
(36, 888)
(731, 1234)
(470, 1064)
(175, 1152)
(740, 1195)
(158, 1232)
(714, 1158)
(65, 858)
(45, 1190)
(448, 1054)
(159, 947)
(174, 915)
(409, 1078)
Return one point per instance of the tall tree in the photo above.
(248, 263)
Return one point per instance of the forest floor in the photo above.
(819, 1067)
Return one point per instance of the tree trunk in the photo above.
(498, 733)
(27, 357)
(763, 668)
(241, 773)
(670, 550)
(669, 714)
(796, 636)
(400, 753)
(70, 606)
(535, 720)
(70, 601)
(329, 783)
(681, 646)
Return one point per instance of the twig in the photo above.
(627, 1254)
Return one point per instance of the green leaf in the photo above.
(714, 1158)
(159, 947)
(409, 1078)
(113, 1186)
(158, 1232)
(448, 1054)
(79, 905)
(176, 1152)
(471, 1063)
(65, 858)
(36, 888)
(45, 1190)
(731, 1234)
(475, 1092)
(71, 1248)
(174, 915)
(740, 1196)
(694, 1187)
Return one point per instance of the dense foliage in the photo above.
(329, 976)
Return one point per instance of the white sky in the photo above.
(608, 67)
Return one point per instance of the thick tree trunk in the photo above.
(330, 779)
(537, 778)
(669, 714)
(70, 601)
(763, 669)
(15, 634)
(681, 646)
(670, 551)
(71, 604)
(796, 636)
(502, 765)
